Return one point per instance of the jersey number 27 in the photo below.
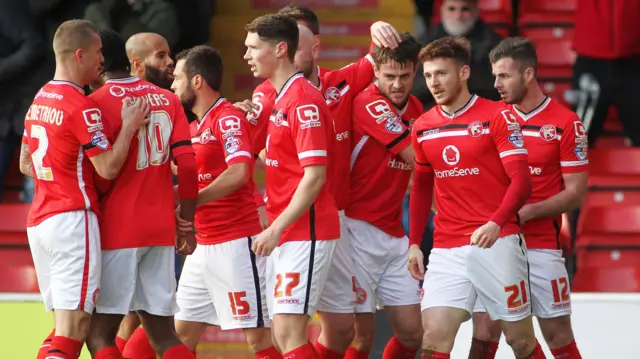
(153, 140)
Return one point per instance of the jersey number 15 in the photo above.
(153, 140)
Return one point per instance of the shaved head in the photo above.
(150, 58)
(307, 50)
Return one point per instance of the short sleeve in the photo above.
(308, 121)
(574, 147)
(87, 126)
(377, 119)
(180, 141)
(507, 136)
(421, 163)
(234, 137)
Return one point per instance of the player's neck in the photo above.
(282, 74)
(116, 75)
(463, 98)
(204, 102)
(531, 100)
(64, 73)
(315, 76)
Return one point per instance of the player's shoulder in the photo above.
(227, 109)
(302, 92)
(415, 108)
(265, 88)
(560, 113)
(370, 93)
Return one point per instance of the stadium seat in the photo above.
(609, 225)
(547, 12)
(17, 273)
(13, 220)
(617, 280)
(555, 52)
(556, 88)
(614, 168)
(612, 198)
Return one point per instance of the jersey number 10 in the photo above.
(153, 140)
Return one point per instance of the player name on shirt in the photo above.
(466, 151)
(221, 139)
(557, 143)
(298, 136)
(379, 176)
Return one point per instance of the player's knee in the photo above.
(73, 324)
(520, 343)
(258, 339)
(290, 329)
(485, 329)
(410, 334)
(557, 332)
(337, 330)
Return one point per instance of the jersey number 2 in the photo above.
(37, 157)
(153, 140)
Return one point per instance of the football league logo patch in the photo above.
(517, 139)
(475, 129)
(581, 151)
(100, 140)
(232, 144)
(394, 124)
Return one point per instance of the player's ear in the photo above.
(376, 71)
(528, 74)
(78, 55)
(196, 82)
(315, 50)
(281, 49)
(465, 72)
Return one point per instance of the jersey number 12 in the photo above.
(153, 140)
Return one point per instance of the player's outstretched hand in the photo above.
(486, 236)
(135, 112)
(385, 35)
(246, 106)
(183, 227)
(416, 262)
(264, 220)
(265, 242)
(186, 244)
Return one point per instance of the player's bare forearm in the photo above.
(568, 199)
(26, 166)
(263, 156)
(312, 181)
(229, 181)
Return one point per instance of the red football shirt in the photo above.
(62, 128)
(138, 209)
(220, 140)
(379, 176)
(300, 134)
(263, 96)
(557, 144)
(466, 151)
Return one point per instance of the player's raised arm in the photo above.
(509, 142)
(574, 163)
(108, 163)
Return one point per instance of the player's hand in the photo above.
(186, 244)
(135, 112)
(264, 220)
(416, 262)
(266, 242)
(246, 106)
(486, 236)
(183, 227)
(385, 35)
(523, 213)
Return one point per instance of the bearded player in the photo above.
(138, 255)
(381, 163)
(557, 145)
(472, 149)
(66, 203)
(304, 219)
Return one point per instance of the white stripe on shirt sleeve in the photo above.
(504, 154)
(237, 154)
(312, 153)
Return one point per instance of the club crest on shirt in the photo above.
(278, 119)
(548, 132)
(516, 138)
(205, 136)
(232, 144)
(394, 124)
(332, 94)
(475, 129)
(99, 140)
(451, 155)
(581, 150)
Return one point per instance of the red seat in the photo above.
(17, 273)
(611, 198)
(555, 52)
(556, 89)
(622, 223)
(614, 167)
(626, 279)
(13, 220)
(547, 33)
(547, 12)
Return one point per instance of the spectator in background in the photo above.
(462, 18)
(607, 69)
(129, 17)
(22, 50)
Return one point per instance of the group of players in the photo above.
(340, 147)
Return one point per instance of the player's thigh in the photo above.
(300, 269)
(446, 283)
(42, 265)
(368, 252)
(549, 282)
(339, 293)
(155, 291)
(236, 278)
(193, 296)
(500, 276)
(396, 286)
(73, 241)
(118, 282)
